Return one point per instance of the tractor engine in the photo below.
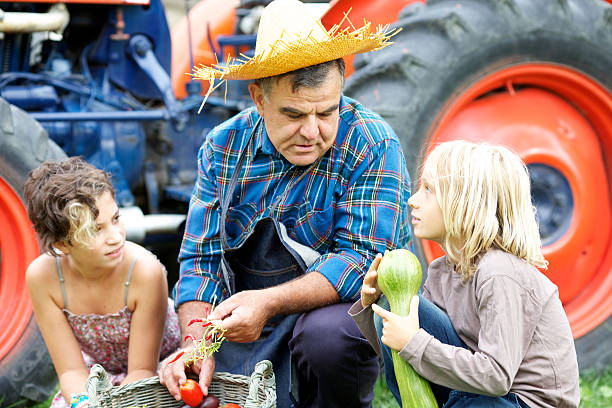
(97, 78)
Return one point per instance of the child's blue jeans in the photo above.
(438, 324)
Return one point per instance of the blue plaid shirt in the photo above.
(352, 205)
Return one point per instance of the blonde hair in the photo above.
(485, 198)
(83, 227)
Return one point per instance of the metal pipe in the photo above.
(138, 226)
(56, 19)
(156, 114)
(163, 223)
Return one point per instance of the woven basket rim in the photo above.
(256, 391)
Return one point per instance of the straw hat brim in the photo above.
(285, 57)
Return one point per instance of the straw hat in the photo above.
(289, 38)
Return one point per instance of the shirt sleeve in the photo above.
(371, 216)
(200, 252)
(507, 316)
(364, 318)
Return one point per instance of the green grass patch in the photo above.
(595, 391)
(31, 404)
(382, 396)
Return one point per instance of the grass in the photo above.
(24, 404)
(595, 392)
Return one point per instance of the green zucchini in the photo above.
(399, 278)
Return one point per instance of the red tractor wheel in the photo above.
(534, 76)
(26, 372)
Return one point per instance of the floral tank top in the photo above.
(104, 339)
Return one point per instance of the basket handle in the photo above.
(98, 381)
(263, 372)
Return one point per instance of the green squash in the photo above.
(399, 278)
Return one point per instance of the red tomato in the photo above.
(231, 405)
(191, 393)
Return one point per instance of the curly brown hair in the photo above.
(61, 201)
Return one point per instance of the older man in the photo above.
(294, 198)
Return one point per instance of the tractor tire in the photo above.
(26, 370)
(457, 67)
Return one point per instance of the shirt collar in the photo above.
(262, 142)
(266, 145)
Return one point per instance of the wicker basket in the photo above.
(256, 391)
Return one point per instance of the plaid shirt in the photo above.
(352, 205)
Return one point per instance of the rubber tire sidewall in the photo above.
(445, 47)
(26, 372)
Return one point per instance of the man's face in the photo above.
(301, 125)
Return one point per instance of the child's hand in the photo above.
(399, 330)
(370, 292)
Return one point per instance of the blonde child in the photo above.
(97, 297)
(488, 329)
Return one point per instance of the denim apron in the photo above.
(266, 257)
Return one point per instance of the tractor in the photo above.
(108, 80)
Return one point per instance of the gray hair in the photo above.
(308, 77)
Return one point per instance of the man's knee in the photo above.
(328, 335)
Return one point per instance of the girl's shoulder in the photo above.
(144, 261)
(500, 265)
(148, 274)
(43, 268)
(42, 278)
(497, 262)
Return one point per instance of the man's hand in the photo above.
(370, 292)
(172, 372)
(399, 330)
(243, 315)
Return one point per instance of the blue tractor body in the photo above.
(103, 91)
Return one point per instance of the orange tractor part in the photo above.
(211, 17)
(576, 265)
(377, 13)
(19, 248)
